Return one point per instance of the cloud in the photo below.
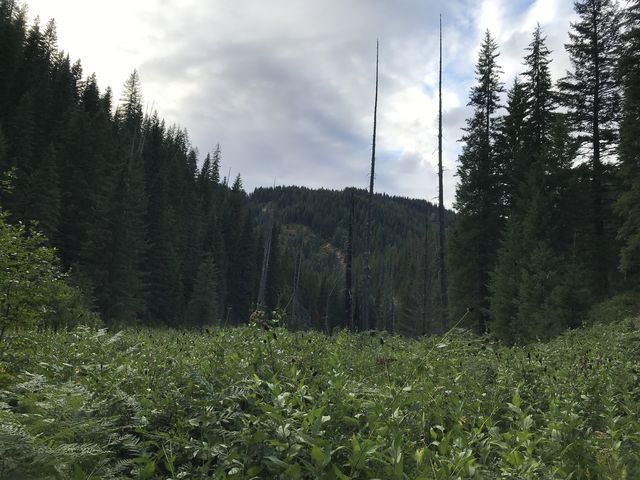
(287, 86)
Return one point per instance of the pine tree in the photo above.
(22, 132)
(472, 244)
(45, 199)
(12, 40)
(275, 275)
(531, 285)
(127, 275)
(203, 308)
(239, 240)
(540, 97)
(591, 94)
(511, 147)
(628, 205)
(3, 153)
(129, 114)
(86, 151)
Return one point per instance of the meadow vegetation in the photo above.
(250, 403)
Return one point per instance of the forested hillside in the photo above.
(152, 234)
(157, 321)
(546, 223)
(147, 229)
(315, 223)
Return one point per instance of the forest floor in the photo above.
(246, 403)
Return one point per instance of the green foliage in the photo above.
(117, 193)
(628, 205)
(615, 309)
(473, 245)
(591, 94)
(314, 223)
(33, 289)
(203, 307)
(250, 403)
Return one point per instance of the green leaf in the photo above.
(317, 455)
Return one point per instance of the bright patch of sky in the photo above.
(286, 86)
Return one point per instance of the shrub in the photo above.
(33, 288)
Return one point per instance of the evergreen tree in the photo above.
(536, 291)
(275, 277)
(511, 147)
(45, 201)
(628, 205)
(12, 39)
(130, 244)
(472, 244)
(531, 285)
(203, 308)
(3, 152)
(591, 94)
(240, 249)
(540, 97)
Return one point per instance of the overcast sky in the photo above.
(286, 86)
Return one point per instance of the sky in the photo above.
(287, 86)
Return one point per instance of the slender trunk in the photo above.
(265, 268)
(296, 284)
(327, 329)
(443, 272)
(348, 291)
(367, 252)
(425, 327)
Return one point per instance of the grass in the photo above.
(244, 403)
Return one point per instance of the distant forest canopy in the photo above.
(548, 200)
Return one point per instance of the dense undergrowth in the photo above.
(244, 403)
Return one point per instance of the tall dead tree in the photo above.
(367, 251)
(348, 290)
(265, 267)
(443, 271)
(295, 302)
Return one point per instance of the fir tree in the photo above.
(511, 147)
(45, 200)
(628, 205)
(130, 243)
(473, 241)
(203, 308)
(3, 152)
(591, 94)
(540, 97)
(529, 286)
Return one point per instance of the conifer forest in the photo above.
(159, 321)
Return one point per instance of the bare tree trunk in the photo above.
(443, 272)
(367, 252)
(327, 329)
(425, 327)
(265, 267)
(296, 284)
(348, 291)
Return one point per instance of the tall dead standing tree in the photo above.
(443, 272)
(265, 266)
(367, 251)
